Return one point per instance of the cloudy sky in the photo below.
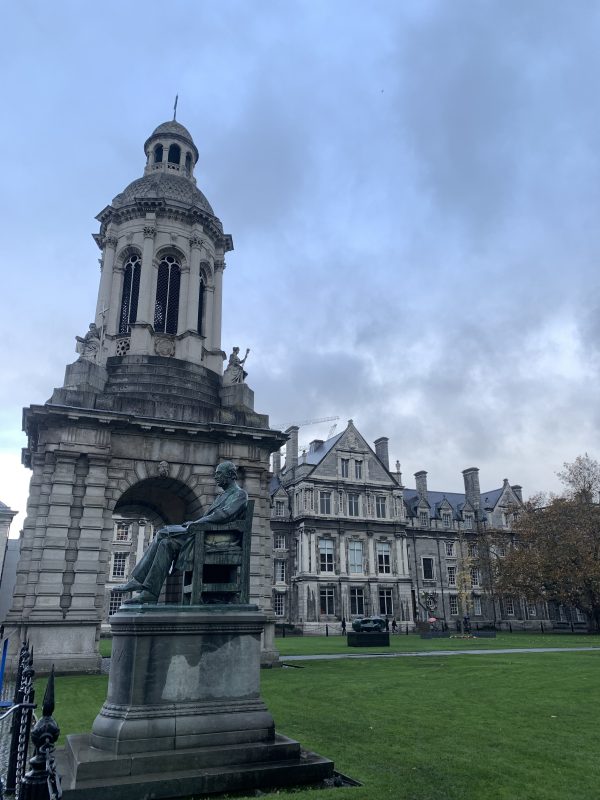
(413, 190)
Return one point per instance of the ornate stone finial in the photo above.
(163, 469)
(235, 368)
(88, 346)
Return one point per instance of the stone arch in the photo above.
(168, 498)
(125, 252)
(206, 273)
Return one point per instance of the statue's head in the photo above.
(226, 471)
(236, 349)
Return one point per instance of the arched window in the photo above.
(174, 154)
(188, 164)
(166, 309)
(201, 295)
(158, 153)
(131, 289)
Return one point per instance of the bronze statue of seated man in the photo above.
(173, 544)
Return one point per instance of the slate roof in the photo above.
(317, 455)
(456, 500)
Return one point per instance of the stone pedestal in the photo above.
(368, 639)
(237, 395)
(183, 715)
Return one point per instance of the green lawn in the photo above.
(323, 645)
(498, 727)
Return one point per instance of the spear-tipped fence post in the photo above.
(42, 782)
(21, 720)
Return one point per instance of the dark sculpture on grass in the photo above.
(369, 625)
(175, 545)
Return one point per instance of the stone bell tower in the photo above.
(132, 438)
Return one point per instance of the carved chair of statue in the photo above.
(221, 572)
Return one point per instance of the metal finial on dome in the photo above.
(175, 108)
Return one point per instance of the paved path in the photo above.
(425, 653)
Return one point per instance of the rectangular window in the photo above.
(385, 601)
(308, 499)
(451, 576)
(279, 604)
(279, 508)
(424, 519)
(531, 610)
(580, 616)
(114, 603)
(561, 614)
(353, 505)
(477, 606)
(326, 555)
(122, 532)
(279, 570)
(279, 541)
(446, 519)
(428, 573)
(119, 565)
(450, 549)
(326, 601)
(453, 604)
(469, 522)
(355, 557)
(345, 467)
(357, 602)
(501, 550)
(380, 507)
(474, 576)
(358, 470)
(383, 558)
(325, 502)
(472, 550)
(509, 607)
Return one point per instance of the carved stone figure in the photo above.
(173, 544)
(88, 346)
(163, 469)
(235, 368)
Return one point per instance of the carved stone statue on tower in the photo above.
(88, 346)
(235, 368)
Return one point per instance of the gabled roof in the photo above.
(457, 500)
(318, 454)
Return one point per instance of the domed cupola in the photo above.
(171, 149)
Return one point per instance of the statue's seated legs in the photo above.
(150, 572)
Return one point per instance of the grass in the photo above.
(460, 728)
(324, 645)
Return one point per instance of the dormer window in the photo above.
(158, 154)
(174, 154)
(424, 519)
(446, 519)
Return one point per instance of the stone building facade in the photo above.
(131, 440)
(350, 540)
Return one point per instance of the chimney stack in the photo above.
(314, 445)
(381, 450)
(472, 490)
(277, 463)
(518, 490)
(291, 447)
(421, 483)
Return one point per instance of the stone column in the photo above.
(184, 299)
(53, 550)
(145, 304)
(400, 554)
(92, 546)
(343, 561)
(106, 278)
(217, 305)
(194, 284)
(371, 569)
(313, 550)
(114, 306)
(208, 323)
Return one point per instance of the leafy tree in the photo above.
(581, 478)
(556, 556)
